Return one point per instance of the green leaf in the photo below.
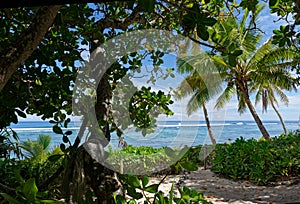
(209, 21)
(237, 52)
(62, 147)
(67, 121)
(20, 113)
(134, 181)
(132, 202)
(38, 82)
(10, 199)
(50, 201)
(57, 129)
(273, 3)
(132, 192)
(171, 194)
(65, 139)
(152, 188)
(69, 132)
(55, 157)
(190, 166)
(30, 189)
(202, 32)
(232, 60)
(119, 199)
(145, 181)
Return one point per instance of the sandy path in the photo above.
(220, 190)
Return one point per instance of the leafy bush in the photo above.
(259, 161)
(136, 189)
(39, 163)
(137, 159)
(159, 160)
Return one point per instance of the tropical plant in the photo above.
(37, 150)
(28, 193)
(195, 86)
(136, 188)
(42, 48)
(261, 161)
(7, 145)
(201, 69)
(249, 66)
(267, 90)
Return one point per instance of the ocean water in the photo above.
(167, 133)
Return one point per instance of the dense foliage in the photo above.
(260, 161)
(41, 53)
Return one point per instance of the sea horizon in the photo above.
(171, 133)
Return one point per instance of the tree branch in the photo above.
(18, 51)
(121, 24)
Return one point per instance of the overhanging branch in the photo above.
(18, 51)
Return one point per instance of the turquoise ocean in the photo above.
(167, 133)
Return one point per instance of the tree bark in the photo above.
(213, 141)
(255, 115)
(280, 118)
(14, 55)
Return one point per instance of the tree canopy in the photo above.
(44, 46)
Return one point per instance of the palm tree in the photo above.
(248, 66)
(201, 91)
(37, 150)
(266, 91)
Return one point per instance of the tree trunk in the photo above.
(213, 141)
(18, 51)
(255, 115)
(279, 116)
(85, 172)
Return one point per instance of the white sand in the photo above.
(220, 190)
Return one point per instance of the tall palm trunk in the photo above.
(213, 141)
(279, 116)
(255, 115)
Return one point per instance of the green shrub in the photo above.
(259, 161)
(154, 159)
(136, 188)
(137, 159)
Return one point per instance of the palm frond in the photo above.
(194, 103)
(260, 53)
(283, 97)
(225, 96)
(45, 141)
(242, 107)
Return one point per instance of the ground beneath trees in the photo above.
(221, 190)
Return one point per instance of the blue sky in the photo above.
(229, 112)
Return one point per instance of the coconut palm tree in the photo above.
(267, 90)
(195, 86)
(202, 84)
(247, 67)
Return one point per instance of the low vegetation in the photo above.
(260, 161)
